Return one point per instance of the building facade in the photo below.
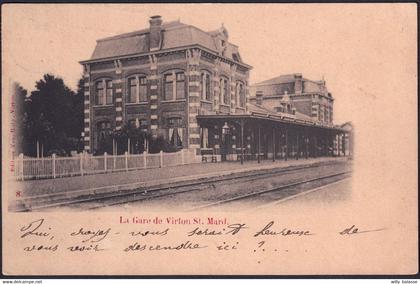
(159, 80)
(190, 88)
(309, 98)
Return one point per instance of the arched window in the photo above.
(240, 94)
(205, 86)
(99, 93)
(103, 92)
(174, 86)
(233, 99)
(132, 90)
(137, 89)
(180, 85)
(108, 86)
(224, 94)
(169, 88)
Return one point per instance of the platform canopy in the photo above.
(262, 119)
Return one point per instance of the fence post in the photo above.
(161, 159)
(144, 159)
(126, 161)
(81, 164)
(53, 165)
(21, 166)
(182, 157)
(105, 159)
(115, 161)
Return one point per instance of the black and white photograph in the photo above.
(218, 131)
(166, 115)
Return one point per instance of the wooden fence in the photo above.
(85, 164)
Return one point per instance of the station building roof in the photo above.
(175, 34)
(308, 86)
(258, 113)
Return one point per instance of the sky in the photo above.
(348, 45)
(367, 54)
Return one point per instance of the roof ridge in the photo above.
(142, 31)
(175, 34)
(270, 81)
(262, 107)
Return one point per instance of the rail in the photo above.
(260, 192)
(141, 193)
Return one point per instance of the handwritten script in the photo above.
(158, 235)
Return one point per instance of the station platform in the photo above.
(99, 183)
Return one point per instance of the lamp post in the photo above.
(225, 131)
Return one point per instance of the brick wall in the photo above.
(155, 110)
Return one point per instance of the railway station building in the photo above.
(191, 88)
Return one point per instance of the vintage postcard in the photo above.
(209, 139)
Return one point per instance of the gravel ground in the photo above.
(221, 191)
(48, 186)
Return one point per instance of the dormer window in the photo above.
(236, 57)
(222, 43)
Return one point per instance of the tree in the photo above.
(53, 117)
(137, 138)
(78, 107)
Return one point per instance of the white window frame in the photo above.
(203, 84)
(173, 74)
(222, 90)
(238, 95)
(104, 89)
(138, 84)
(179, 127)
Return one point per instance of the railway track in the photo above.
(98, 200)
(258, 193)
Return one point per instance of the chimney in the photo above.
(323, 87)
(155, 32)
(298, 84)
(259, 97)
